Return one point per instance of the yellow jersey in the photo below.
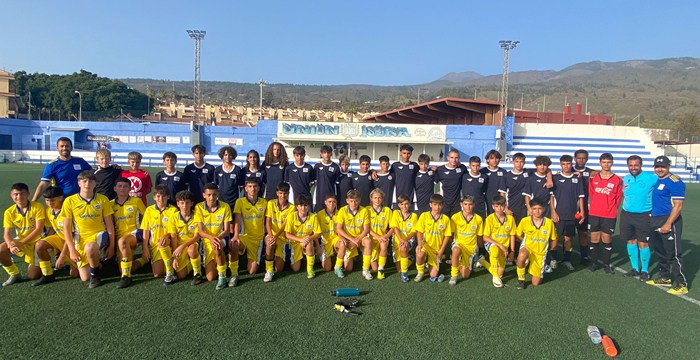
(379, 220)
(184, 229)
(327, 223)
(24, 223)
(253, 216)
(279, 215)
(127, 216)
(156, 221)
(87, 215)
(214, 221)
(500, 232)
(353, 224)
(433, 230)
(404, 225)
(536, 239)
(54, 220)
(299, 228)
(465, 231)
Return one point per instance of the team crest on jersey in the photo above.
(165, 219)
(97, 206)
(474, 227)
(507, 228)
(233, 176)
(359, 221)
(661, 187)
(260, 209)
(458, 170)
(175, 178)
(499, 173)
(129, 209)
(308, 226)
(31, 219)
(481, 180)
(382, 218)
(305, 170)
(390, 177)
(409, 166)
(205, 171)
(574, 180)
(430, 172)
(610, 185)
(191, 227)
(524, 175)
(219, 217)
(409, 225)
(441, 227)
(544, 232)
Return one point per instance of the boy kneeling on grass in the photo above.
(537, 236)
(303, 231)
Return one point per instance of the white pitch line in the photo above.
(664, 289)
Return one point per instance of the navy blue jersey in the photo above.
(174, 182)
(344, 185)
(476, 186)
(513, 187)
(326, 182)
(567, 191)
(229, 183)
(496, 178)
(386, 183)
(425, 186)
(196, 177)
(260, 175)
(299, 179)
(364, 184)
(584, 174)
(274, 175)
(534, 188)
(106, 178)
(405, 177)
(450, 180)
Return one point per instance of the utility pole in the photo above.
(262, 83)
(507, 46)
(197, 36)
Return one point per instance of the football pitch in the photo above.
(292, 317)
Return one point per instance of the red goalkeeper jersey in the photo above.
(604, 196)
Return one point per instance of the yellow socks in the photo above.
(382, 262)
(338, 262)
(521, 273)
(196, 265)
(310, 263)
(233, 265)
(420, 268)
(221, 269)
(46, 268)
(126, 267)
(11, 270)
(142, 261)
(404, 264)
(366, 261)
(454, 271)
(270, 266)
(167, 254)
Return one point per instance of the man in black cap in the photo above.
(666, 227)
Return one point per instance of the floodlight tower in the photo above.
(197, 36)
(262, 83)
(507, 46)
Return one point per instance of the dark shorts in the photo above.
(566, 228)
(606, 225)
(634, 226)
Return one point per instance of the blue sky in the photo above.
(337, 42)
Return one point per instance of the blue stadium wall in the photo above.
(42, 135)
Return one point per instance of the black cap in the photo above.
(662, 161)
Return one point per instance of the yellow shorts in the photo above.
(297, 251)
(328, 247)
(183, 261)
(430, 256)
(155, 252)
(102, 240)
(395, 245)
(207, 251)
(57, 243)
(467, 256)
(536, 268)
(280, 247)
(253, 246)
(497, 258)
(27, 252)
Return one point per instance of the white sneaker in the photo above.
(418, 277)
(480, 262)
(367, 274)
(547, 269)
(553, 264)
(169, 279)
(268, 276)
(568, 265)
(233, 281)
(453, 280)
(497, 282)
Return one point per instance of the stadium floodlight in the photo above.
(80, 105)
(262, 83)
(197, 36)
(507, 46)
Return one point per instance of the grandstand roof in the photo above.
(448, 110)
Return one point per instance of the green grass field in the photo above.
(292, 317)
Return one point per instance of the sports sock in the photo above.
(454, 271)
(269, 266)
(521, 273)
(644, 257)
(382, 262)
(310, 262)
(196, 265)
(126, 267)
(584, 251)
(221, 269)
(94, 272)
(593, 250)
(633, 252)
(567, 255)
(493, 260)
(404, 264)
(420, 268)
(167, 254)
(11, 270)
(553, 254)
(233, 265)
(46, 268)
(338, 262)
(366, 261)
(142, 261)
(607, 253)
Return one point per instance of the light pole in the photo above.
(80, 103)
(507, 46)
(197, 36)
(262, 83)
